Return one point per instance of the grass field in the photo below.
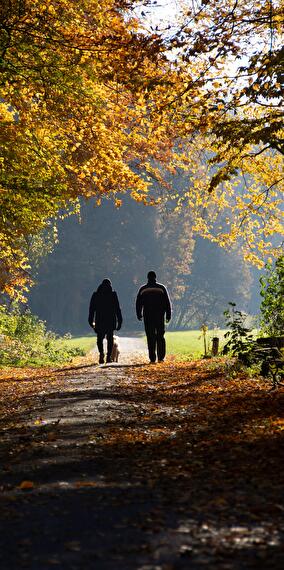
(86, 343)
(190, 343)
(180, 343)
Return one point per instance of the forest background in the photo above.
(124, 244)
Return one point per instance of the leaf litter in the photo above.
(179, 456)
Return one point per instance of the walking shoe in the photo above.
(161, 360)
(101, 359)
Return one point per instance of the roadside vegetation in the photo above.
(25, 341)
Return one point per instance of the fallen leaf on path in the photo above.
(85, 484)
(25, 485)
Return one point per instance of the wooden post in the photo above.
(215, 345)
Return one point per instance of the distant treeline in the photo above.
(123, 244)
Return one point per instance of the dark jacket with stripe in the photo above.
(153, 302)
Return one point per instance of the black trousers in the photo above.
(100, 342)
(155, 330)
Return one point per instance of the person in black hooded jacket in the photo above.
(105, 316)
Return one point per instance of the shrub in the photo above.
(24, 340)
(272, 292)
(240, 341)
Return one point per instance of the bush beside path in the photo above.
(141, 467)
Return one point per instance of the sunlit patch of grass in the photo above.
(85, 343)
(187, 344)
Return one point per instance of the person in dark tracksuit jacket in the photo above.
(154, 304)
(105, 316)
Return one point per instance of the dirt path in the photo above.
(132, 350)
(132, 346)
(93, 477)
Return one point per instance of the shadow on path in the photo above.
(142, 479)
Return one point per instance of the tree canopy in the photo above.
(72, 119)
(94, 103)
(232, 55)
